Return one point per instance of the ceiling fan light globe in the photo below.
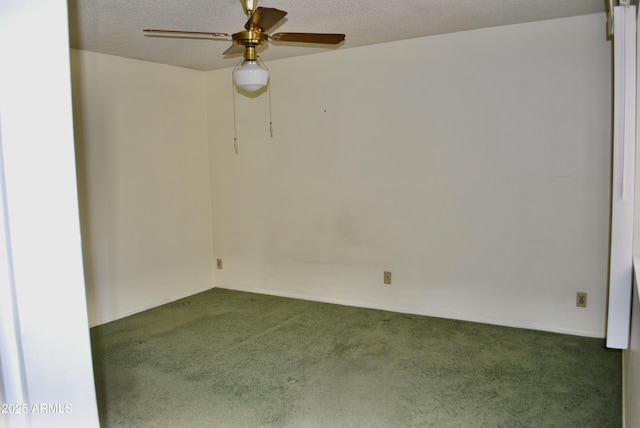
(251, 76)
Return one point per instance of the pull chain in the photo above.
(270, 120)
(235, 127)
(269, 91)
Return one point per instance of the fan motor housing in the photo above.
(249, 37)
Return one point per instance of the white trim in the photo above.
(624, 387)
(622, 189)
(404, 310)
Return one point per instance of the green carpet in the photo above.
(231, 359)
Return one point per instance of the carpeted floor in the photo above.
(231, 359)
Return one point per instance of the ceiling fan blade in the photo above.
(264, 18)
(199, 33)
(234, 49)
(329, 39)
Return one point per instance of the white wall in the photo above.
(144, 183)
(474, 166)
(41, 276)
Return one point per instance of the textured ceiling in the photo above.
(115, 27)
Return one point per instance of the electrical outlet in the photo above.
(581, 299)
(387, 277)
(219, 263)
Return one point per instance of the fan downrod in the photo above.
(249, 6)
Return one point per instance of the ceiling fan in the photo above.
(251, 75)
